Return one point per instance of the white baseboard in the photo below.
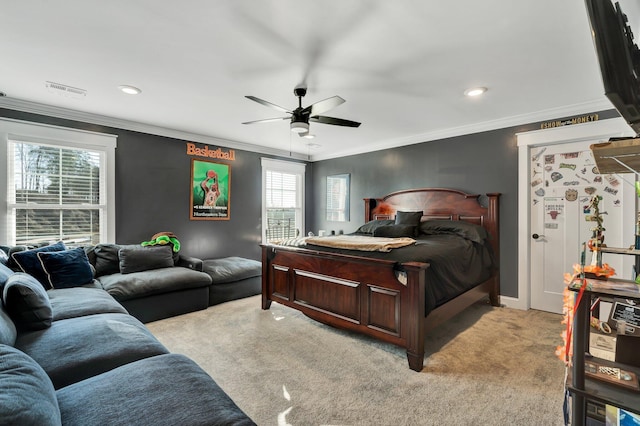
(513, 302)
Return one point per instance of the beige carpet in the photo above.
(488, 366)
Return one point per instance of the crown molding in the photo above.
(516, 120)
(118, 123)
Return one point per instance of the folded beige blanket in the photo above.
(359, 242)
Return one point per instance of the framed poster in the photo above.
(210, 190)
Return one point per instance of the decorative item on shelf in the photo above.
(613, 375)
(593, 272)
(597, 270)
(578, 281)
(625, 317)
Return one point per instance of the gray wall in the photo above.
(477, 163)
(153, 173)
(152, 193)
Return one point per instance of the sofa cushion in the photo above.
(231, 269)
(4, 255)
(162, 390)
(27, 302)
(5, 273)
(157, 281)
(8, 332)
(139, 258)
(67, 268)
(82, 301)
(7, 327)
(28, 261)
(107, 261)
(77, 348)
(27, 396)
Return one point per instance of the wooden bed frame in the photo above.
(364, 294)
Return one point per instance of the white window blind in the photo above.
(282, 190)
(283, 199)
(55, 193)
(58, 184)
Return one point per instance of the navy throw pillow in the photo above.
(68, 268)
(30, 264)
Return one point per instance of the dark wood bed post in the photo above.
(266, 257)
(414, 307)
(494, 230)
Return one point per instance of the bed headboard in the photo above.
(439, 203)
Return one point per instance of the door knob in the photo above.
(536, 236)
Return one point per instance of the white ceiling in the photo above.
(402, 66)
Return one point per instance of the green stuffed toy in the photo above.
(163, 238)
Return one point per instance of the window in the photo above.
(282, 199)
(338, 198)
(58, 184)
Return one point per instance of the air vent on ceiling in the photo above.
(64, 90)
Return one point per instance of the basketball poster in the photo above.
(210, 190)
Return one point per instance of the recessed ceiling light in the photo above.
(130, 90)
(475, 91)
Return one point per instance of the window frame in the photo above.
(269, 164)
(44, 134)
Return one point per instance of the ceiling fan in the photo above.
(300, 117)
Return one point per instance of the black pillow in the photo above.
(395, 231)
(27, 302)
(107, 260)
(371, 226)
(408, 218)
(138, 258)
(467, 230)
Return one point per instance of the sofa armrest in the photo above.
(190, 262)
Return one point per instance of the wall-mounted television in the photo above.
(619, 58)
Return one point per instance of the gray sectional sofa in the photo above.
(152, 283)
(74, 356)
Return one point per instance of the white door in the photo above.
(563, 182)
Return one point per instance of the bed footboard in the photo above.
(373, 297)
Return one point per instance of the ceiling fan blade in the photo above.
(324, 105)
(335, 121)
(267, 120)
(268, 104)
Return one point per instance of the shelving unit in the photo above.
(629, 251)
(582, 387)
(619, 155)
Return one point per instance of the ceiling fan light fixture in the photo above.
(309, 136)
(299, 127)
(475, 91)
(129, 90)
